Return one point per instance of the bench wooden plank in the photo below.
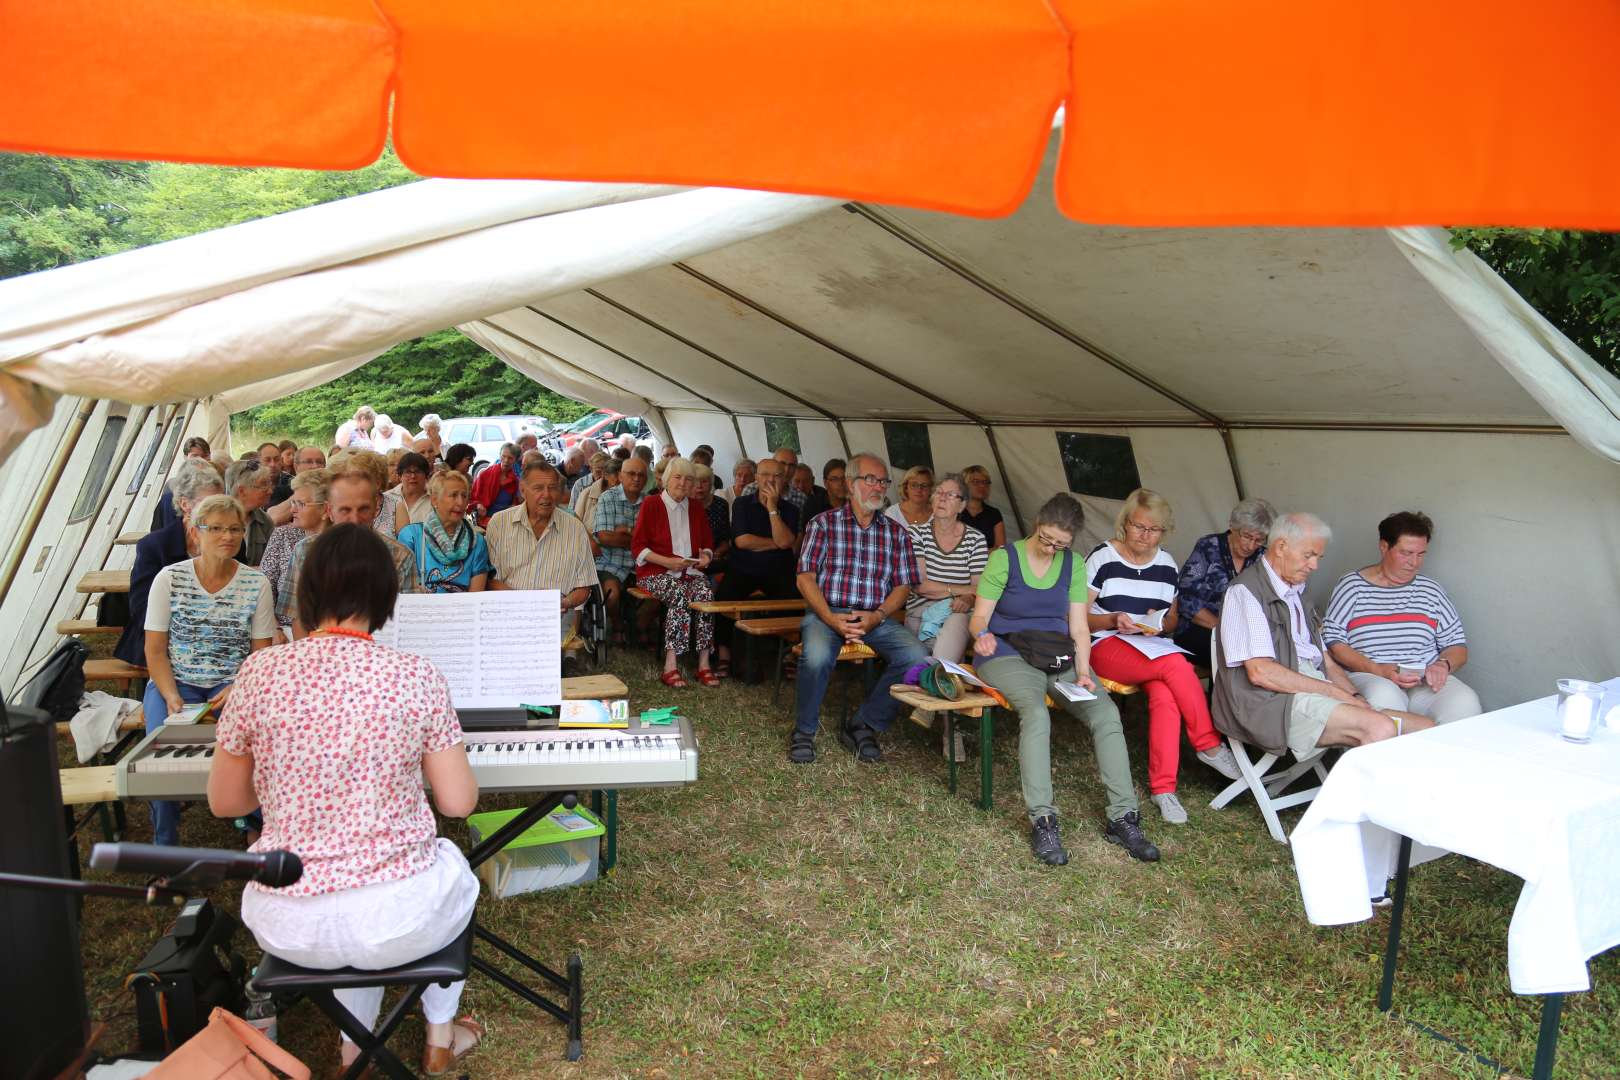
(971, 703)
(591, 687)
(86, 628)
(130, 537)
(777, 626)
(111, 669)
(104, 581)
(641, 594)
(89, 784)
(733, 608)
(135, 721)
(852, 651)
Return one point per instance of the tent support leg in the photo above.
(1231, 460)
(1006, 485)
(742, 450)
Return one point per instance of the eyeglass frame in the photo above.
(881, 482)
(226, 531)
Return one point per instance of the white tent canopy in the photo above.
(1332, 370)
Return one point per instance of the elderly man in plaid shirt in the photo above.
(856, 568)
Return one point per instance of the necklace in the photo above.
(341, 631)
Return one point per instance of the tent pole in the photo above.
(736, 425)
(843, 437)
(1231, 460)
(46, 490)
(1006, 484)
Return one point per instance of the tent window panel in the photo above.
(95, 477)
(1100, 465)
(781, 432)
(908, 446)
(177, 428)
(150, 456)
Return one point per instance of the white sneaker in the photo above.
(1170, 808)
(1221, 760)
(961, 747)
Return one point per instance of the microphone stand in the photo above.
(160, 892)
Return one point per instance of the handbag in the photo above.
(1044, 650)
(229, 1048)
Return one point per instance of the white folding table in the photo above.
(1506, 789)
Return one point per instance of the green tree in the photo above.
(57, 211)
(1571, 277)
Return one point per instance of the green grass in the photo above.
(835, 920)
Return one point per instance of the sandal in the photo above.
(673, 680)
(707, 677)
(722, 668)
(437, 1060)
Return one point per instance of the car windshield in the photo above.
(588, 421)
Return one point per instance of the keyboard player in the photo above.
(332, 737)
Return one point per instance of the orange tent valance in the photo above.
(1178, 112)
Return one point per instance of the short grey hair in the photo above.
(1252, 515)
(1297, 527)
(513, 447)
(193, 478)
(432, 419)
(243, 474)
(677, 466)
(866, 455)
(217, 504)
(959, 479)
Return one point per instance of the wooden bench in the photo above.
(104, 581)
(784, 628)
(973, 704)
(125, 539)
(733, 609)
(86, 628)
(89, 784)
(588, 687)
(111, 669)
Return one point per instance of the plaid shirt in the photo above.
(857, 568)
(1205, 576)
(613, 511)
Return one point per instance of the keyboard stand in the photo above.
(573, 984)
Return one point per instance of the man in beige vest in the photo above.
(1279, 689)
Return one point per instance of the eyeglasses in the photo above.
(1144, 530)
(948, 495)
(300, 504)
(235, 532)
(1049, 542)
(1253, 538)
(880, 482)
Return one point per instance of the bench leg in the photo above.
(986, 730)
(950, 750)
(781, 660)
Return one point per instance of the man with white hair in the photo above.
(575, 464)
(1278, 687)
(855, 571)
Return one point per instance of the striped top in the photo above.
(560, 558)
(210, 634)
(959, 566)
(1411, 623)
(1124, 586)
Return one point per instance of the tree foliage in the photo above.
(56, 211)
(1571, 277)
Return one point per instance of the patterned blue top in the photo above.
(1204, 578)
(210, 634)
(613, 511)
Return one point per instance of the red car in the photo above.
(603, 425)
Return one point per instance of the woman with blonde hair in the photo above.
(1131, 582)
(978, 512)
(451, 556)
(355, 434)
(915, 506)
(308, 504)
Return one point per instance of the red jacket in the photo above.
(652, 531)
(489, 485)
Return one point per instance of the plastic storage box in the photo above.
(561, 849)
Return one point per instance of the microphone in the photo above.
(199, 865)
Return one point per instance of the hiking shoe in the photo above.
(1170, 808)
(861, 742)
(1221, 760)
(1045, 842)
(801, 747)
(1126, 831)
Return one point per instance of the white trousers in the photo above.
(1455, 701)
(372, 928)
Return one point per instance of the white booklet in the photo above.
(1154, 620)
(1151, 647)
(1074, 691)
(963, 673)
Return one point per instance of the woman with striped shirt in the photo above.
(1129, 578)
(950, 558)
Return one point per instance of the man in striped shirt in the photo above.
(1396, 632)
(856, 568)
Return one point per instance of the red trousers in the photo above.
(1174, 696)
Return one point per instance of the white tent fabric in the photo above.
(1551, 368)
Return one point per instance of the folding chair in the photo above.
(1258, 779)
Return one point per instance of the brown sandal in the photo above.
(437, 1060)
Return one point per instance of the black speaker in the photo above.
(44, 1020)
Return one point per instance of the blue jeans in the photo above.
(166, 814)
(890, 639)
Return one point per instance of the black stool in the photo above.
(448, 965)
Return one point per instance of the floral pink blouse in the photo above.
(337, 727)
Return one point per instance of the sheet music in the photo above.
(497, 650)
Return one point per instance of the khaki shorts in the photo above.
(1308, 716)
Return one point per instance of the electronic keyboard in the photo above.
(173, 761)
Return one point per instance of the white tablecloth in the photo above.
(1504, 788)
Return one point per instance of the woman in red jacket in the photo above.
(673, 546)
